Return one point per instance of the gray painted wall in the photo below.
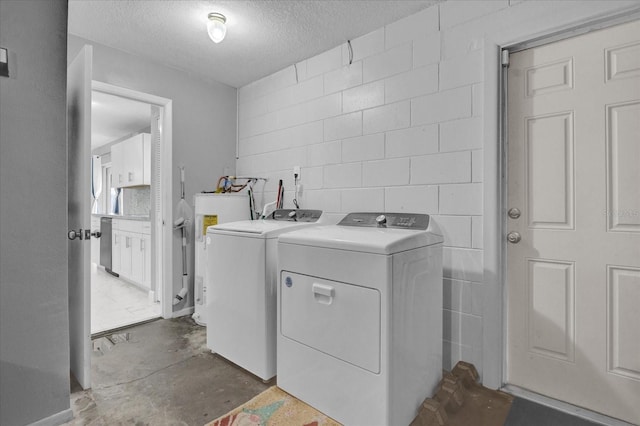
(204, 124)
(34, 316)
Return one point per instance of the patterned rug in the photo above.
(274, 407)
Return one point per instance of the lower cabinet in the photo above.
(131, 251)
(116, 248)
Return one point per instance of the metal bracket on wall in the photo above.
(4, 62)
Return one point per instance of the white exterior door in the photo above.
(574, 173)
(79, 206)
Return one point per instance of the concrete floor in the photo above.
(160, 373)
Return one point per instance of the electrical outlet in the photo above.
(296, 171)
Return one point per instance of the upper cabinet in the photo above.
(131, 161)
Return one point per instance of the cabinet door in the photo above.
(117, 166)
(133, 161)
(116, 250)
(137, 258)
(125, 255)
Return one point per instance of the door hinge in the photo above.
(505, 58)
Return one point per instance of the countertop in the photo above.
(123, 217)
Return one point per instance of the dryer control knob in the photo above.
(381, 220)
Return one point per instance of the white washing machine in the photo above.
(242, 287)
(211, 209)
(360, 316)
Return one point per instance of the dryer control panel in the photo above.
(387, 220)
(297, 215)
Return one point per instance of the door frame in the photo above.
(494, 352)
(162, 263)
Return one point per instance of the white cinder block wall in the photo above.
(400, 129)
(395, 130)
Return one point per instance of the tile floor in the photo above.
(116, 303)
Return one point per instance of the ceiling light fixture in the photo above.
(216, 27)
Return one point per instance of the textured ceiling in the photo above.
(262, 36)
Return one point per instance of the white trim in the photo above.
(164, 251)
(123, 92)
(573, 410)
(184, 312)
(55, 419)
(166, 158)
(493, 282)
(598, 23)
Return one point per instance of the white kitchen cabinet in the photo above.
(132, 251)
(116, 248)
(133, 165)
(137, 257)
(131, 161)
(117, 165)
(125, 255)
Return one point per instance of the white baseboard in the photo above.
(56, 419)
(583, 413)
(183, 312)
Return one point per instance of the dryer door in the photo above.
(338, 319)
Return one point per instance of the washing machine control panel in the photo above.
(299, 215)
(387, 220)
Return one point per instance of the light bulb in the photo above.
(216, 27)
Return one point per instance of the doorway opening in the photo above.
(128, 287)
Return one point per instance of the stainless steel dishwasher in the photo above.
(105, 245)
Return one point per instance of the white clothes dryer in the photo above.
(360, 316)
(242, 287)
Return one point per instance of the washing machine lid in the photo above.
(378, 233)
(282, 220)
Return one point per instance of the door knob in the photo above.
(73, 234)
(514, 213)
(88, 234)
(514, 237)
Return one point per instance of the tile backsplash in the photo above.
(136, 201)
